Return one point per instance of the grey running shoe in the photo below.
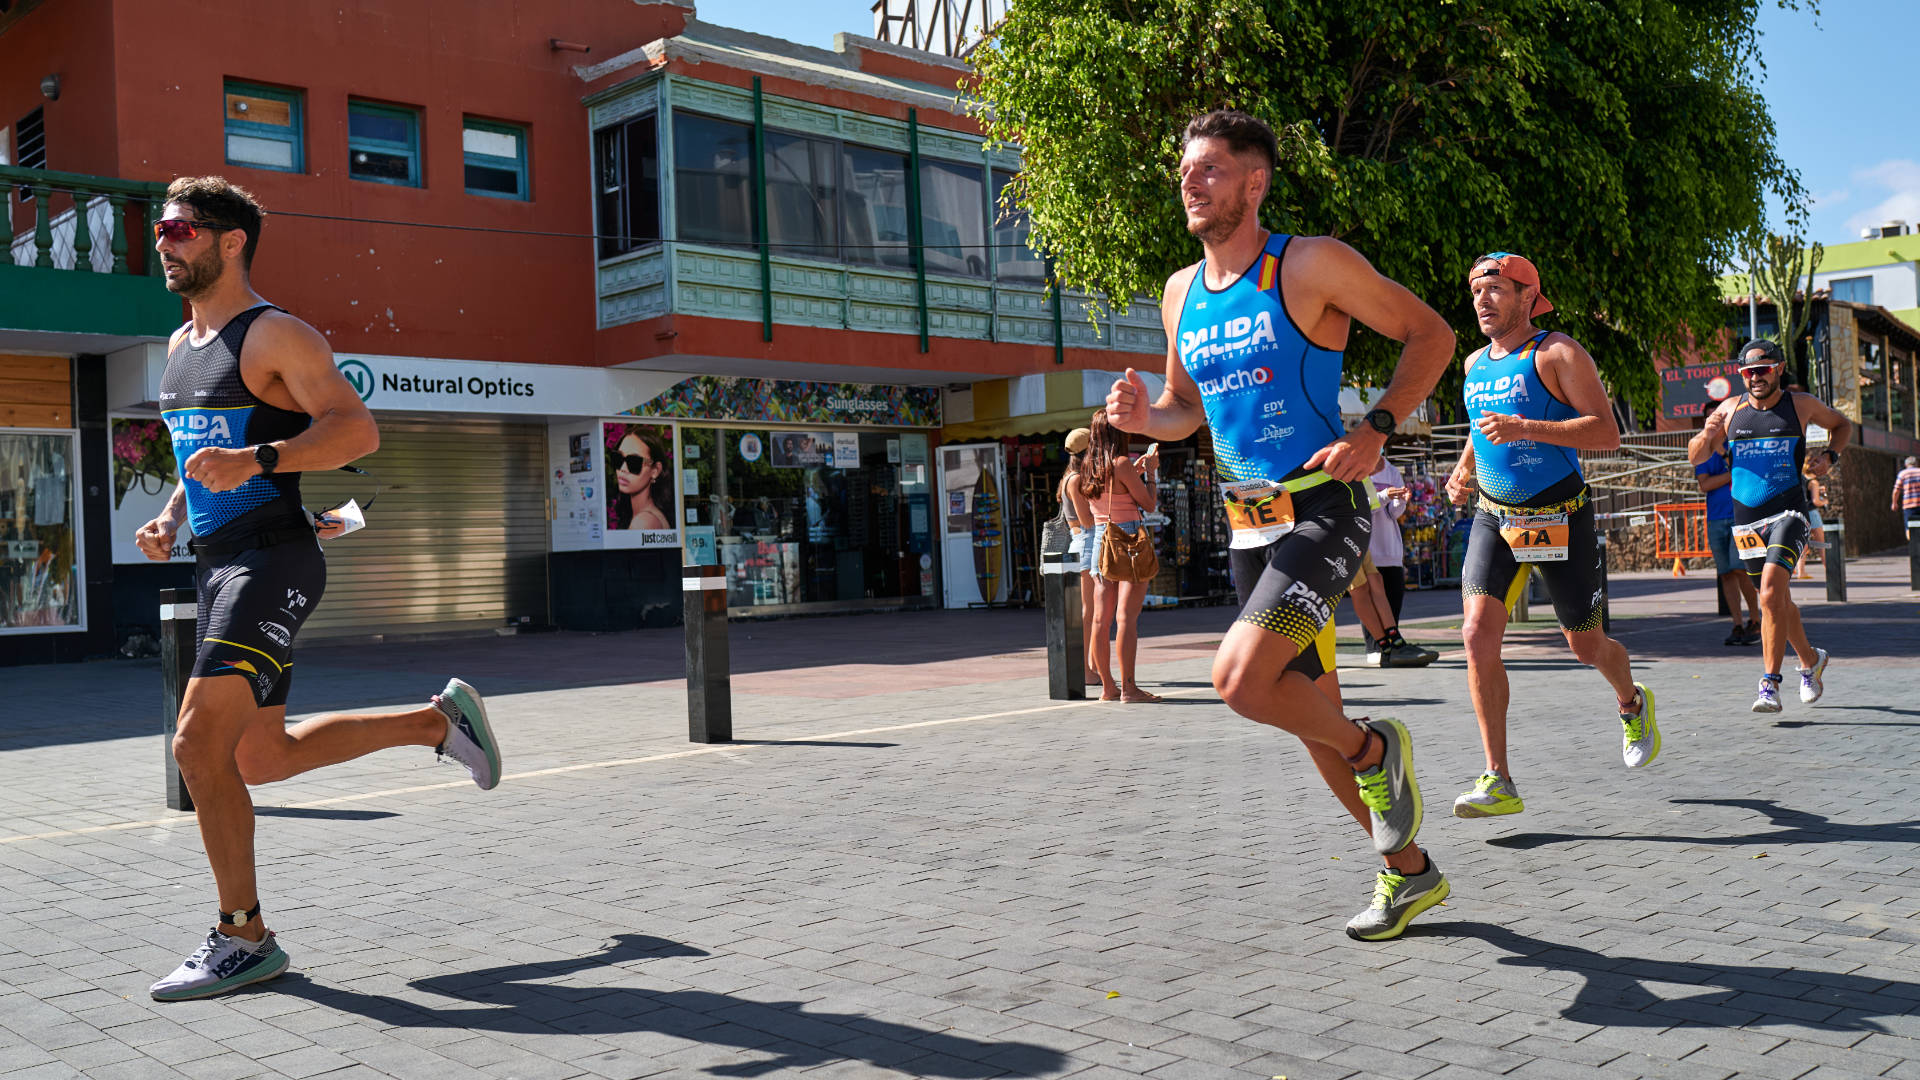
(1769, 699)
(1407, 654)
(469, 739)
(1389, 788)
(1396, 900)
(1810, 685)
(220, 965)
(1493, 795)
(1640, 735)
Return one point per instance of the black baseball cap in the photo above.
(1768, 349)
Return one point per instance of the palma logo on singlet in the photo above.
(1199, 347)
(1505, 387)
(198, 427)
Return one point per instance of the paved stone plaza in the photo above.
(913, 863)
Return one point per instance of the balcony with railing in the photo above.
(79, 261)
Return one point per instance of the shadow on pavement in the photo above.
(520, 999)
(811, 742)
(322, 813)
(1736, 995)
(1792, 827)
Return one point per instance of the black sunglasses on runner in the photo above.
(180, 230)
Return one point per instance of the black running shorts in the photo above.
(1786, 539)
(1291, 585)
(1574, 583)
(251, 605)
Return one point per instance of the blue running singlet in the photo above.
(205, 403)
(1271, 396)
(1517, 473)
(1767, 449)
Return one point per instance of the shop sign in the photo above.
(782, 401)
(415, 384)
(1694, 390)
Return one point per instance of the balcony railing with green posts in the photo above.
(80, 222)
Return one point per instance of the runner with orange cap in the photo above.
(1535, 400)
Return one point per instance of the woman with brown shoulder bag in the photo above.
(1121, 490)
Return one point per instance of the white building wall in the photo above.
(1895, 286)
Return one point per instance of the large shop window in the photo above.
(803, 516)
(1873, 384)
(952, 218)
(873, 226)
(1013, 260)
(803, 212)
(713, 180)
(39, 539)
(626, 169)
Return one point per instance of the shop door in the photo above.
(457, 541)
(974, 546)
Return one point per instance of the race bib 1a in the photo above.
(1258, 513)
(1535, 537)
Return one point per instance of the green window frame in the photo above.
(241, 102)
(385, 148)
(496, 168)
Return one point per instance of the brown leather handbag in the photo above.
(1128, 556)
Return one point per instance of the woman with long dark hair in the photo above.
(645, 499)
(1080, 519)
(1120, 491)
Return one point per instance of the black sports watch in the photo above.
(267, 457)
(1381, 421)
(1833, 458)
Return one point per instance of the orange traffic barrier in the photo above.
(1682, 533)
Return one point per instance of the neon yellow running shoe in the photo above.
(1397, 898)
(1640, 734)
(1492, 796)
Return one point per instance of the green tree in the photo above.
(1623, 146)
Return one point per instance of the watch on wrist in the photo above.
(267, 457)
(1833, 458)
(1381, 421)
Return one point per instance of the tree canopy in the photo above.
(1622, 146)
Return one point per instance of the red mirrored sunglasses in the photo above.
(182, 229)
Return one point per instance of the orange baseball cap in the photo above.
(1516, 267)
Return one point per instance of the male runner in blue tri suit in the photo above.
(1764, 431)
(252, 399)
(1255, 333)
(1534, 398)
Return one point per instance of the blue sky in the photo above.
(1834, 85)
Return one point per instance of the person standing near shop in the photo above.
(1120, 491)
(1715, 480)
(1906, 492)
(251, 398)
(1079, 514)
(1382, 581)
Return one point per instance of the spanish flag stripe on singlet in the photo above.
(1269, 270)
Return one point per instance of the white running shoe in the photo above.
(1769, 699)
(1810, 685)
(1640, 733)
(222, 964)
(469, 739)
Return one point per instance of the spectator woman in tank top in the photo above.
(1079, 514)
(1120, 490)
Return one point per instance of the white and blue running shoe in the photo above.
(221, 965)
(469, 739)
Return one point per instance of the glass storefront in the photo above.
(39, 537)
(810, 516)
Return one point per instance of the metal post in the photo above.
(177, 621)
(1606, 600)
(1913, 555)
(1522, 607)
(709, 694)
(1836, 560)
(1066, 648)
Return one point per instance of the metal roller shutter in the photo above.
(457, 542)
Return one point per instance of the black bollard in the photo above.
(709, 694)
(1913, 555)
(1066, 649)
(1606, 602)
(1835, 557)
(177, 623)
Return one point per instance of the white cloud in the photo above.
(1898, 181)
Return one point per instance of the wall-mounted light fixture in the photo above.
(567, 46)
(50, 88)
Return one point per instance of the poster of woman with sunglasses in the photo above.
(642, 493)
(144, 476)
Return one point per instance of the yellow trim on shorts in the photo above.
(277, 665)
(1323, 644)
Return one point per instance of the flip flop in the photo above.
(1144, 699)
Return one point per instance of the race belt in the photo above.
(1535, 533)
(1750, 540)
(1261, 511)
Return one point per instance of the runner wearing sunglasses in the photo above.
(1764, 431)
(1535, 399)
(251, 399)
(1255, 334)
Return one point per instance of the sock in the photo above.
(1426, 864)
(1393, 635)
(1772, 676)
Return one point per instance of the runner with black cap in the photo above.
(1764, 432)
(1535, 399)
